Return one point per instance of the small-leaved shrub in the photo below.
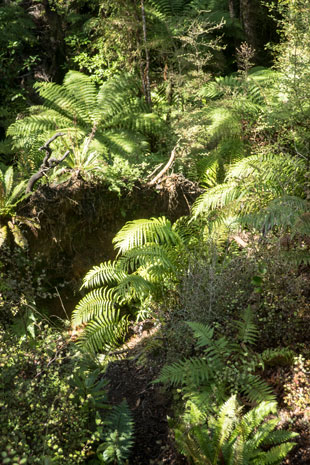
(42, 416)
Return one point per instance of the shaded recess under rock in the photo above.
(79, 219)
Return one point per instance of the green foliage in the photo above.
(172, 7)
(18, 57)
(292, 59)
(146, 262)
(119, 431)
(98, 124)
(11, 194)
(226, 366)
(234, 103)
(42, 416)
(257, 191)
(236, 439)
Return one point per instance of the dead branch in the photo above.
(166, 167)
(47, 164)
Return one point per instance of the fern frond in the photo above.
(8, 181)
(253, 419)
(217, 197)
(171, 8)
(94, 304)
(106, 273)
(119, 434)
(281, 354)
(104, 333)
(193, 372)
(152, 256)
(275, 455)
(224, 425)
(282, 212)
(139, 232)
(131, 287)
(247, 330)
(256, 389)
(82, 85)
(203, 333)
(16, 193)
(278, 436)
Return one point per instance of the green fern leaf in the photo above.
(106, 332)
(275, 455)
(119, 434)
(203, 333)
(105, 273)
(256, 389)
(94, 304)
(139, 232)
(247, 330)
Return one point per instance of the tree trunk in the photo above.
(248, 13)
(147, 59)
(234, 10)
(56, 42)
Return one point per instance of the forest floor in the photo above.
(132, 378)
(150, 404)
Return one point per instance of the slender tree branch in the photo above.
(48, 162)
(166, 167)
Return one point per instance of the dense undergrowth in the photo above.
(225, 289)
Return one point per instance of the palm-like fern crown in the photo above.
(230, 101)
(260, 190)
(170, 8)
(110, 120)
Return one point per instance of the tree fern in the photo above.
(109, 121)
(233, 105)
(235, 439)
(254, 185)
(172, 8)
(147, 263)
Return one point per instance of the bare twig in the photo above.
(47, 164)
(154, 170)
(167, 166)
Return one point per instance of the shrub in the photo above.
(42, 417)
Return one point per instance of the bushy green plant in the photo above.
(54, 404)
(225, 365)
(118, 436)
(146, 265)
(235, 439)
(43, 417)
(97, 123)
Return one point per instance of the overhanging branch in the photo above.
(48, 162)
